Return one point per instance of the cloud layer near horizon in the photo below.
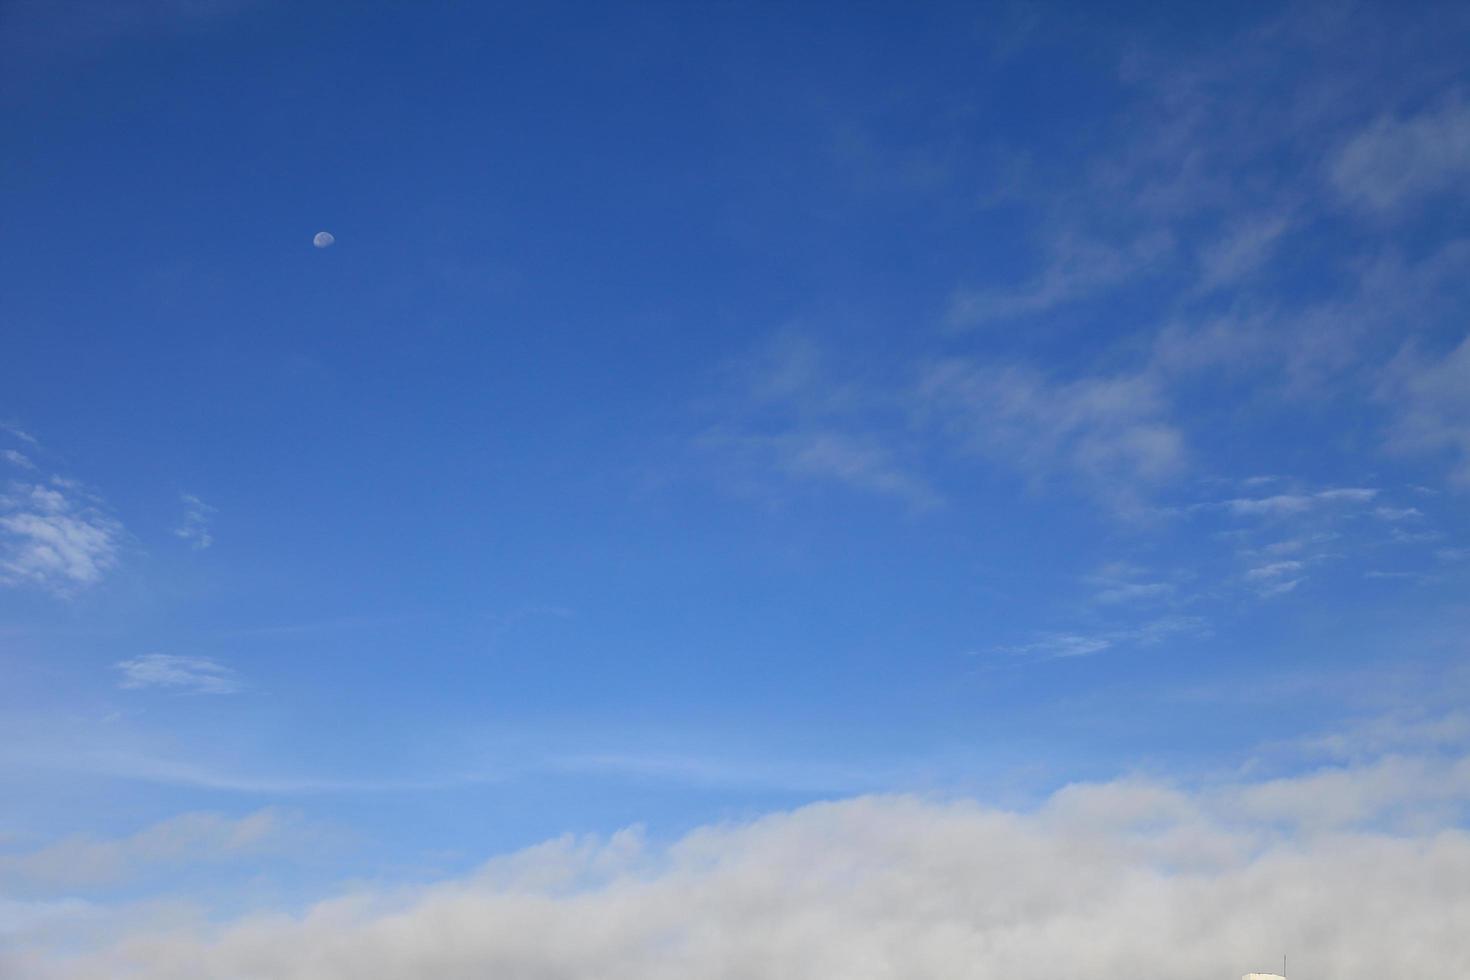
(1358, 872)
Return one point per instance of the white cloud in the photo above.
(1365, 870)
(1064, 645)
(1351, 495)
(1111, 431)
(1395, 161)
(18, 459)
(193, 675)
(1276, 578)
(1287, 504)
(1120, 582)
(1056, 646)
(1275, 570)
(195, 526)
(55, 537)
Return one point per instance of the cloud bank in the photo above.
(1358, 872)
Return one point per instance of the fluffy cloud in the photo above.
(194, 675)
(1362, 872)
(56, 537)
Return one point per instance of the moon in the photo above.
(323, 239)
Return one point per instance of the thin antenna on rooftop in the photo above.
(1283, 966)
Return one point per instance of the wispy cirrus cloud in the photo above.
(1430, 397)
(825, 455)
(1067, 644)
(16, 431)
(194, 527)
(1287, 504)
(56, 536)
(1241, 248)
(792, 414)
(1399, 159)
(1075, 267)
(1276, 578)
(1123, 583)
(187, 675)
(1113, 432)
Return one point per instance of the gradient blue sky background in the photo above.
(706, 409)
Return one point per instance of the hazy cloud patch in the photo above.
(1242, 249)
(1076, 266)
(1431, 397)
(1396, 160)
(85, 861)
(189, 675)
(1114, 432)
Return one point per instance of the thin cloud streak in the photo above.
(189, 675)
(1067, 645)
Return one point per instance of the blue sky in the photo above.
(706, 410)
